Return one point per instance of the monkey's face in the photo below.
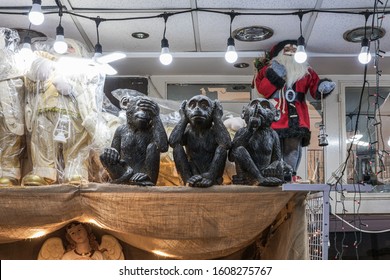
(199, 110)
(261, 113)
(140, 114)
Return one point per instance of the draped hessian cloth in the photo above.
(178, 222)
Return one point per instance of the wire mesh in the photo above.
(314, 215)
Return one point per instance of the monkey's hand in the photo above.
(148, 105)
(182, 111)
(217, 110)
(110, 156)
(254, 123)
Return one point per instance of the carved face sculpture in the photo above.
(260, 111)
(140, 112)
(199, 110)
(78, 233)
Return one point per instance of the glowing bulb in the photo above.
(35, 15)
(364, 55)
(231, 54)
(60, 46)
(300, 55)
(26, 50)
(165, 56)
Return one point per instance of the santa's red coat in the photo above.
(294, 121)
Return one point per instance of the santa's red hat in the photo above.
(279, 46)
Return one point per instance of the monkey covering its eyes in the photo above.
(134, 156)
(200, 142)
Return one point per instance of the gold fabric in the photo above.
(175, 222)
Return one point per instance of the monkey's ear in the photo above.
(277, 115)
(124, 102)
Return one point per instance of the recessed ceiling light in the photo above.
(241, 65)
(356, 35)
(140, 35)
(252, 33)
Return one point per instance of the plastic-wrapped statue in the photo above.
(134, 155)
(287, 82)
(62, 114)
(11, 110)
(81, 245)
(256, 147)
(200, 142)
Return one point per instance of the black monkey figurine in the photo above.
(200, 142)
(134, 156)
(256, 148)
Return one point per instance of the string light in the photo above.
(364, 55)
(165, 56)
(35, 15)
(26, 50)
(60, 46)
(300, 55)
(231, 54)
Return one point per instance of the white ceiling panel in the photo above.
(257, 4)
(201, 33)
(130, 5)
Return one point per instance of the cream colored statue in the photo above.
(62, 113)
(82, 245)
(11, 112)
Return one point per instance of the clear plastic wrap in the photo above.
(64, 115)
(12, 142)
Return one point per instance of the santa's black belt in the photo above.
(299, 96)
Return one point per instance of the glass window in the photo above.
(368, 131)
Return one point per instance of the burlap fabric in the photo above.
(177, 222)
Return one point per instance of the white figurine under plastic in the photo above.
(81, 245)
(63, 109)
(11, 109)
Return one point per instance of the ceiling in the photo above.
(198, 39)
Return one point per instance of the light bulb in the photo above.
(60, 46)
(300, 55)
(26, 50)
(364, 55)
(165, 56)
(231, 54)
(35, 15)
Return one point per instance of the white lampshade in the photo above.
(35, 15)
(60, 46)
(231, 54)
(300, 55)
(165, 56)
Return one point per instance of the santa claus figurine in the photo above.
(287, 82)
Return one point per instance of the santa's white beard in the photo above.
(295, 71)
